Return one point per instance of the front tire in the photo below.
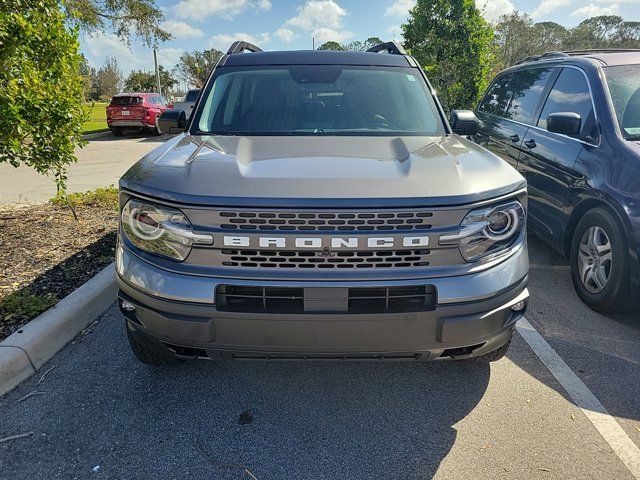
(493, 356)
(600, 262)
(148, 352)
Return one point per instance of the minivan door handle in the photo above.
(530, 144)
(515, 138)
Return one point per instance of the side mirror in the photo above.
(172, 121)
(464, 122)
(566, 123)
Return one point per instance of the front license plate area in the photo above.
(326, 300)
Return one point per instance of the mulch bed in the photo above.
(45, 254)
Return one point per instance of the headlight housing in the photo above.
(488, 232)
(160, 230)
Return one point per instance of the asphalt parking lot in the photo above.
(103, 415)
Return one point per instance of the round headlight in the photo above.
(501, 224)
(145, 222)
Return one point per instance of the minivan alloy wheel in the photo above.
(594, 259)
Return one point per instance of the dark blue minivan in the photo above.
(570, 123)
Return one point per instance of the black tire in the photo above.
(149, 353)
(117, 131)
(493, 356)
(615, 295)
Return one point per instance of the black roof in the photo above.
(316, 57)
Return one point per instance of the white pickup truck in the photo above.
(189, 102)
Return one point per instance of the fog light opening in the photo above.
(128, 306)
(518, 307)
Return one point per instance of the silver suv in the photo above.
(319, 205)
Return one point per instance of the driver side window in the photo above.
(570, 93)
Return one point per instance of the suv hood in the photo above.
(321, 170)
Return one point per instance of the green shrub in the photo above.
(41, 89)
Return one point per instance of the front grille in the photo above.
(307, 259)
(361, 300)
(316, 221)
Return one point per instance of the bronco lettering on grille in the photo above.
(338, 243)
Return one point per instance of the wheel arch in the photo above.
(589, 203)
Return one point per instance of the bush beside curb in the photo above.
(28, 349)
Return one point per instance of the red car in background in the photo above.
(135, 111)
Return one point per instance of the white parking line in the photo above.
(608, 427)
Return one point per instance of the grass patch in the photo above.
(97, 121)
(25, 305)
(100, 197)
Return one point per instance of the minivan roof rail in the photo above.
(241, 46)
(393, 48)
(544, 56)
(601, 50)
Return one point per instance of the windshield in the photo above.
(624, 86)
(318, 100)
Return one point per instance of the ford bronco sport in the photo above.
(319, 205)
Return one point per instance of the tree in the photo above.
(194, 67)
(362, 46)
(88, 78)
(331, 46)
(454, 44)
(41, 95)
(355, 46)
(142, 81)
(108, 79)
(124, 17)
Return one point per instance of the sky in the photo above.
(292, 24)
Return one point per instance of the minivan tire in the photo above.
(149, 353)
(615, 296)
(117, 131)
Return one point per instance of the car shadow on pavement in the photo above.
(142, 136)
(324, 420)
(201, 419)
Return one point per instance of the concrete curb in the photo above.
(24, 352)
(92, 136)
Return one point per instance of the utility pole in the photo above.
(313, 43)
(155, 61)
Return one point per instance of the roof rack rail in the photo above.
(601, 50)
(544, 56)
(393, 48)
(240, 46)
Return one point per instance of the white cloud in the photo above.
(492, 10)
(400, 8)
(547, 6)
(200, 9)
(285, 34)
(224, 40)
(318, 14)
(181, 29)
(593, 10)
(321, 19)
(99, 46)
(168, 57)
(329, 34)
(395, 31)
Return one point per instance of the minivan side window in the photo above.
(530, 87)
(570, 93)
(498, 96)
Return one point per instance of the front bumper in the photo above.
(473, 316)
